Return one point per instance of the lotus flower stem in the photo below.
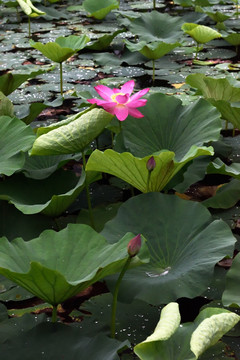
(115, 296)
(54, 314)
(88, 195)
(153, 73)
(61, 79)
(29, 27)
(148, 180)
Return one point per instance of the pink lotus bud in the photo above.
(134, 245)
(151, 164)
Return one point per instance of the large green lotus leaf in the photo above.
(6, 106)
(226, 196)
(103, 42)
(167, 124)
(200, 33)
(25, 226)
(184, 244)
(55, 341)
(99, 9)
(217, 16)
(219, 92)
(233, 39)
(10, 82)
(228, 111)
(50, 196)
(155, 26)
(73, 137)
(154, 50)
(62, 48)
(16, 137)
(40, 167)
(134, 171)
(231, 294)
(219, 167)
(216, 89)
(189, 340)
(58, 265)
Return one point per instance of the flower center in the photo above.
(113, 97)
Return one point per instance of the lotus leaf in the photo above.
(6, 106)
(99, 9)
(155, 26)
(200, 33)
(221, 93)
(62, 48)
(167, 124)
(189, 340)
(10, 82)
(219, 167)
(103, 42)
(233, 39)
(51, 196)
(58, 265)
(73, 137)
(154, 50)
(231, 294)
(55, 341)
(184, 243)
(227, 195)
(133, 170)
(16, 137)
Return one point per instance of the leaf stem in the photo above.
(115, 296)
(88, 194)
(153, 73)
(54, 314)
(29, 27)
(61, 79)
(154, 4)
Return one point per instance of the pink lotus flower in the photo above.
(119, 102)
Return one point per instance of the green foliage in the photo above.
(99, 9)
(58, 265)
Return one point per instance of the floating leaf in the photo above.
(58, 265)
